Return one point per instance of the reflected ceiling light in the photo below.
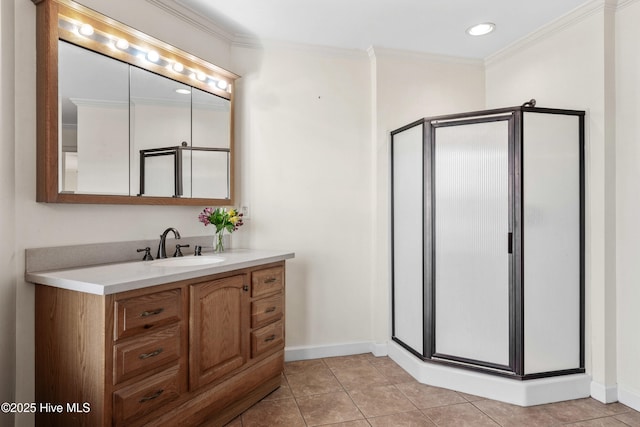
(86, 30)
(122, 44)
(153, 56)
(481, 29)
(183, 91)
(177, 67)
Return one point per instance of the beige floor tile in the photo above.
(349, 361)
(270, 413)
(394, 373)
(573, 410)
(425, 396)
(405, 419)
(359, 376)
(459, 415)
(357, 423)
(328, 408)
(301, 366)
(631, 419)
(313, 381)
(516, 416)
(381, 400)
(600, 422)
(283, 392)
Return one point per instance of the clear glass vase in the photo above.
(218, 241)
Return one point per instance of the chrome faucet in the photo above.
(162, 247)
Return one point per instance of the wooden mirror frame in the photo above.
(48, 32)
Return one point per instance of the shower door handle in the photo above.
(510, 242)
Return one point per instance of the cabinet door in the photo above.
(219, 329)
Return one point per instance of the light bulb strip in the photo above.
(109, 39)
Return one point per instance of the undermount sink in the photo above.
(192, 261)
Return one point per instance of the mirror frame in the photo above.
(48, 32)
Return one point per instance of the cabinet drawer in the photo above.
(267, 281)
(266, 310)
(267, 338)
(139, 314)
(133, 357)
(144, 397)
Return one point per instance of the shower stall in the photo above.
(488, 241)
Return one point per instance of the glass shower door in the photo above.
(471, 240)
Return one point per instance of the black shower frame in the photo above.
(515, 117)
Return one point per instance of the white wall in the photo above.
(568, 65)
(303, 126)
(628, 202)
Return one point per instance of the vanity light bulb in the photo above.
(122, 44)
(178, 67)
(201, 76)
(222, 84)
(86, 30)
(153, 56)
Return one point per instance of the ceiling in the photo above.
(431, 26)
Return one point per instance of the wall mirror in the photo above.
(124, 118)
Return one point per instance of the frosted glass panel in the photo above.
(551, 203)
(407, 237)
(471, 250)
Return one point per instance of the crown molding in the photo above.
(382, 52)
(624, 3)
(194, 19)
(577, 15)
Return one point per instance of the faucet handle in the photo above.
(178, 252)
(147, 253)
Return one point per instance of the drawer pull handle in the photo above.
(152, 354)
(245, 288)
(270, 280)
(271, 338)
(270, 309)
(151, 312)
(151, 397)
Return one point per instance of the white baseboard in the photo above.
(603, 393)
(629, 398)
(333, 350)
(522, 393)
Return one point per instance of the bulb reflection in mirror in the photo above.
(183, 91)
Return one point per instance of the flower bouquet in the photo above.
(224, 220)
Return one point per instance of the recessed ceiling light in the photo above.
(481, 29)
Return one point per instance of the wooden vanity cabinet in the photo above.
(194, 352)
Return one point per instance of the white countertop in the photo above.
(126, 276)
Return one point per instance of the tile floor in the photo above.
(364, 390)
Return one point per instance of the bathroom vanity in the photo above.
(150, 343)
